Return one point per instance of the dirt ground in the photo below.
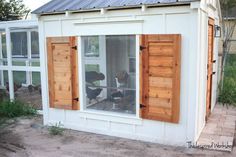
(29, 138)
(33, 98)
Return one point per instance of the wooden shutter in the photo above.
(211, 24)
(160, 77)
(63, 72)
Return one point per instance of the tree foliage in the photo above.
(12, 10)
(228, 28)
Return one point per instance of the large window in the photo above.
(109, 67)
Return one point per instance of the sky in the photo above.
(34, 4)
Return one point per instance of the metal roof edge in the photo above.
(114, 8)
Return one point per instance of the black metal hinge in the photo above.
(142, 106)
(76, 99)
(142, 48)
(74, 47)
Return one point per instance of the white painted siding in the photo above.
(163, 20)
(203, 51)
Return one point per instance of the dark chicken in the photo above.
(30, 88)
(117, 94)
(92, 76)
(16, 86)
(93, 93)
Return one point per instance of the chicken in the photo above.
(122, 77)
(38, 88)
(93, 93)
(92, 76)
(16, 86)
(117, 95)
(30, 88)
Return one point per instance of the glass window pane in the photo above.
(91, 46)
(27, 88)
(35, 63)
(4, 93)
(19, 61)
(111, 82)
(19, 44)
(19, 78)
(35, 44)
(3, 52)
(36, 80)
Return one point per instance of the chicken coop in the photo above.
(137, 69)
(19, 62)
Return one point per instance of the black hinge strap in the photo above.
(76, 99)
(74, 47)
(142, 48)
(142, 106)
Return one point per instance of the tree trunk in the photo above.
(224, 58)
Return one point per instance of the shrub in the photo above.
(230, 71)
(228, 92)
(3, 95)
(14, 109)
(56, 129)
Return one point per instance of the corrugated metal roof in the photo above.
(58, 6)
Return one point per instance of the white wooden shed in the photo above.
(138, 69)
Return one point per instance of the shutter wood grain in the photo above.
(62, 72)
(160, 77)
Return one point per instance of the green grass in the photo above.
(10, 110)
(56, 129)
(15, 109)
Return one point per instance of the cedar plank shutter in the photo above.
(63, 72)
(160, 77)
(211, 24)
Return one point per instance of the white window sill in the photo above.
(111, 117)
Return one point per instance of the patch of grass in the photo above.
(227, 94)
(15, 109)
(56, 129)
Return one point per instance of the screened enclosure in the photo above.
(20, 62)
(109, 68)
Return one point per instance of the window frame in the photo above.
(28, 60)
(82, 92)
(29, 42)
